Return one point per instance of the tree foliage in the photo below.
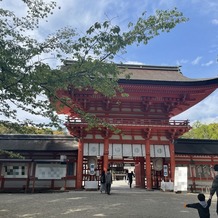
(11, 154)
(14, 128)
(202, 131)
(28, 82)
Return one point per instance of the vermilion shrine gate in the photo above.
(156, 94)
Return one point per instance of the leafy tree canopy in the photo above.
(14, 128)
(27, 82)
(202, 131)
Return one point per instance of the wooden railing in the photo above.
(134, 122)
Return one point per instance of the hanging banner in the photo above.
(165, 170)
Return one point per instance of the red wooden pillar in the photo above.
(79, 171)
(148, 165)
(142, 172)
(137, 175)
(172, 161)
(106, 152)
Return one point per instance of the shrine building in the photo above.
(148, 141)
(144, 118)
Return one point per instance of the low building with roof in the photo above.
(42, 162)
(48, 162)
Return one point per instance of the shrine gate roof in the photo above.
(159, 75)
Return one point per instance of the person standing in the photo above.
(130, 178)
(108, 181)
(102, 180)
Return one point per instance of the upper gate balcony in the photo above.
(120, 122)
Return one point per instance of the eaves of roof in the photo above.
(202, 82)
(196, 146)
(37, 143)
(159, 75)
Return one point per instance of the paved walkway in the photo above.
(123, 202)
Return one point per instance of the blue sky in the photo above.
(192, 45)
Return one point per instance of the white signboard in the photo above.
(50, 171)
(181, 179)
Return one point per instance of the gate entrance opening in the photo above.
(121, 167)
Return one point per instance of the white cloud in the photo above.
(180, 62)
(82, 14)
(134, 63)
(215, 21)
(196, 60)
(206, 6)
(208, 63)
(17, 7)
(36, 119)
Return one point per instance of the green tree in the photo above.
(202, 131)
(29, 83)
(9, 128)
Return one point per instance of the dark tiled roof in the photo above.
(68, 143)
(161, 73)
(196, 146)
(37, 143)
(148, 74)
(158, 75)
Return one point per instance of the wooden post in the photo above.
(79, 171)
(172, 161)
(34, 177)
(28, 177)
(66, 175)
(138, 175)
(2, 182)
(142, 172)
(1, 178)
(148, 165)
(52, 184)
(106, 152)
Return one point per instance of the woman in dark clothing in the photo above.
(108, 181)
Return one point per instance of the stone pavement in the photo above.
(123, 202)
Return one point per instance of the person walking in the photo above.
(130, 178)
(108, 181)
(102, 180)
(202, 206)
